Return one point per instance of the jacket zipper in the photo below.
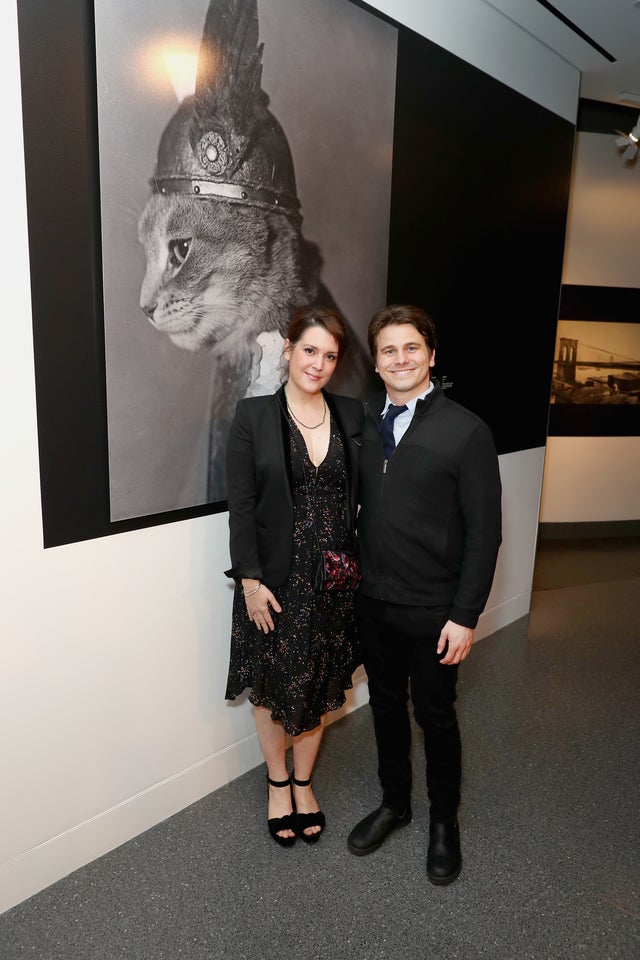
(385, 464)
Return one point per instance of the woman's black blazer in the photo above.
(259, 482)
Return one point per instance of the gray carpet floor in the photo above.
(550, 821)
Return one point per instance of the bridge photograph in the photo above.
(596, 363)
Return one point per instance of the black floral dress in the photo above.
(301, 670)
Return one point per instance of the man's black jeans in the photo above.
(398, 646)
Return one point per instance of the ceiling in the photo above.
(597, 31)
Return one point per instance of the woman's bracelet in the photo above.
(250, 593)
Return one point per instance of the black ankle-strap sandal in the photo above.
(288, 822)
(306, 820)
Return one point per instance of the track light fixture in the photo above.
(629, 142)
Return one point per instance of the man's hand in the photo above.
(457, 640)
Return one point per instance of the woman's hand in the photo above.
(259, 604)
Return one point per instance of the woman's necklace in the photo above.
(305, 425)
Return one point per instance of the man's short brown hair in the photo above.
(394, 314)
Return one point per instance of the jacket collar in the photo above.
(376, 404)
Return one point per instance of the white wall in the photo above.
(114, 651)
(590, 479)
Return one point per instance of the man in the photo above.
(429, 531)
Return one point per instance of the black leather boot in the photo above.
(444, 859)
(371, 832)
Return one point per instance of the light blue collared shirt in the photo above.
(403, 419)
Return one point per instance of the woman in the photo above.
(291, 472)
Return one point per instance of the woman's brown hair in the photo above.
(323, 317)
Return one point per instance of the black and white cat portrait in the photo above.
(267, 188)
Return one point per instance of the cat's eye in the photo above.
(178, 251)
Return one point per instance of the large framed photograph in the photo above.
(212, 125)
(596, 370)
(197, 170)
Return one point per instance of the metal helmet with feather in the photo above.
(223, 143)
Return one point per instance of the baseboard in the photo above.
(49, 862)
(589, 530)
(502, 615)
